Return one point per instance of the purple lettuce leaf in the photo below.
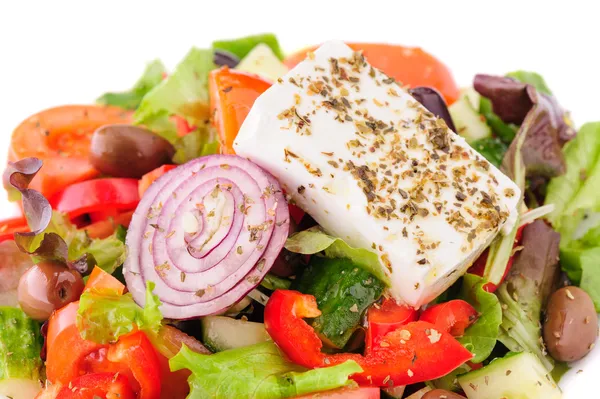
(543, 122)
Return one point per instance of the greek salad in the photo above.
(341, 222)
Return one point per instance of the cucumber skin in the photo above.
(220, 333)
(20, 345)
(343, 291)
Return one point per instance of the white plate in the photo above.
(71, 53)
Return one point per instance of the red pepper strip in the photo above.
(453, 316)
(98, 385)
(417, 352)
(10, 226)
(283, 320)
(478, 267)
(137, 353)
(97, 195)
(389, 316)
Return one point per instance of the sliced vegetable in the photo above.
(480, 338)
(150, 177)
(416, 352)
(532, 78)
(431, 99)
(454, 316)
(108, 227)
(231, 220)
(257, 371)
(94, 195)
(411, 66)
(20, 345)
(262, 61)
(504, 131)
(13, 263)
(492, 148)
(272, 282)
(11, 226)
(61, 138)
(385, 318)
(514, 376)
(20, 388)
(152, 76)
(465, 113)
(232, 94)
(199, 142)
(222, 333)
(343, 291)
(314, 240)
(345, 393)
(243, 45)
(128, 151)
(103, 385)
(183, 93)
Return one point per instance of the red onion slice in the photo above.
(205, 233)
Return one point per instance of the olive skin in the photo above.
(570, 324)
(442, 394)
(128, 151)
(46, 287)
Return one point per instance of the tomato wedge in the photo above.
(232, 94)
(411, 66)
(150, 177)
(98, 385)
(107, 227)
(61, 138)
(97, 195)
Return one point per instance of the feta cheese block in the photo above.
(375, 168)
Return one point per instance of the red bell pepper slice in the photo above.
(453, 316)
(97, 195)
(107, 227)
(150, 177)
(232, 94)
(98, 385)
(387, 317)
(478, 267)
(137, 353)
(417, 352)
(11, 226)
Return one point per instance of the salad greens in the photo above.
(105, 315)
(343, 292)
(20, 345)
(183, 93)
(315, 240)
(152, 76)
(492, 148)
(272, 282)
(259, 371)
(532, 78)
(480, 338)
(198, 143)
(504, 131)
(242, 46)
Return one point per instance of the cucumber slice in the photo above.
(19, 388)
(263, 62)
(515, 376)
(465, 114)
(220, 333)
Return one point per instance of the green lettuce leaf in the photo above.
(243, 45)
(314, 240)
(107, 253)
(577, 189)
(272, 282)
(480, 338)
(105, 315)
(532, 78)
(198, 143)
(183, 93)
(152, 76)
(256, 372)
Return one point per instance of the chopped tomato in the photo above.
(453, 316)
(98, 385)
(99, 195)
(346, 393)
(101, 279)
(385, 318)
(232, 94)
(107, 227)
(10, 226)
(61, 138)
(411, 66)
(150, 177)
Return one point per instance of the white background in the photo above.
(56, 52)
